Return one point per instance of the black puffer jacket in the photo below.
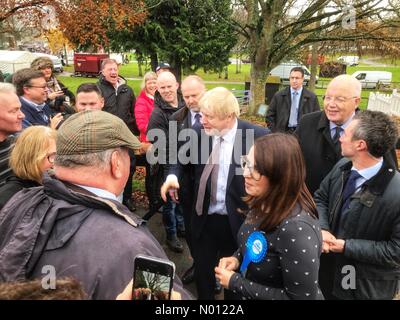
(120, 103)
(159, 119)
(12, 186)
(78, 233)
(371, 230)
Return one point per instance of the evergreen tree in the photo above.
(188, 34)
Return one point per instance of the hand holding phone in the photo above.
(152, 278)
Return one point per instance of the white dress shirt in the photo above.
(225, 160)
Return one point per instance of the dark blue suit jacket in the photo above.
(235, 185)
(32, 116)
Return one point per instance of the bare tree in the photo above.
(9, 8)
(278, 29)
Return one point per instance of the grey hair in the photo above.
(108, 61)
(7, 88)
(100, 160)
(377, 129)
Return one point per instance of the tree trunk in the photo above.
(140, 65)
(258, 76)
(65, 55)
(178, 72)
(154, 61)
(237, 63)
(314, 65)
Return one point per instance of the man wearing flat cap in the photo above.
(73, 226)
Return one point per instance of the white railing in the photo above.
(387, 103)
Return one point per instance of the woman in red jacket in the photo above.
(144, 103)
(143, 108)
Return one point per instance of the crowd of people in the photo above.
(305, 207)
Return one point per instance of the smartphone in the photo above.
(153, 278)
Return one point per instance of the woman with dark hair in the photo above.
(280, 241)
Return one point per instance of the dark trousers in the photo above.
(216, 241)
(326, 275)
(187, 202)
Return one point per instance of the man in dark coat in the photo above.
(167, 101)
(290, 104)
(119, 100)
(193, 89)
(74, 226)
(218, 194)
(359, 209)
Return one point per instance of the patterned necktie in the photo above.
(293, 111)
(212, 165)
(336, 137)
(197, 126)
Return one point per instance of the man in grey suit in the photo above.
(290, 104)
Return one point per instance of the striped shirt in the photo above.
(5, 150)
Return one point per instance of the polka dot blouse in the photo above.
(290, 268)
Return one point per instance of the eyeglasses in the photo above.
(338, 100)
(51, 157)
(246, 164)
(42, 87)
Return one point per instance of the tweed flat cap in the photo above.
(94, 131)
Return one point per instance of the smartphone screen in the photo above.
(152, 279)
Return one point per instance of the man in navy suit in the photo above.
(32, 91)
(193, 89)
(290, 104)
(218, 184)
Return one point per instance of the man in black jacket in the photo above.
(119, 100)
(359, 208)
(289, 105)
(167, 101)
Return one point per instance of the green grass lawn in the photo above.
(131, 71)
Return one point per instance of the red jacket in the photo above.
(143, 108)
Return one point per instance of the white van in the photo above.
(370, 79)
(283, 71)
(349, 60)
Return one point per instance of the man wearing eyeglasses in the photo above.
(218, 184)
(32, 90)
(290, 104)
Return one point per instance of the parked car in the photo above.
(349, 60)
(370, 79)
(283, 71)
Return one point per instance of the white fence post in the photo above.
(389, 104)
